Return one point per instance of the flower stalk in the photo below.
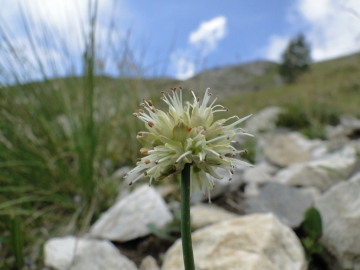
(185, 218)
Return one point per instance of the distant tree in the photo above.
(295, 59)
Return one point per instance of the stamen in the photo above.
(213, 101)
(212, 151)
(182, 156)
(161, 160)
(217, 138)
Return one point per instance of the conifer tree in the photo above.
(295, 59)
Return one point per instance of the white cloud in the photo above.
(209, 34)
(333, 29)
(315, 10)
(184, 65)
(57, 30)
(201, 42)
(276, 47)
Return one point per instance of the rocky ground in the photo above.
(255, 221)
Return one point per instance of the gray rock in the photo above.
(262, 173)
(320, 151)
(355, 177)
(314, 192)
(285, 150)
(244, 243)
(251, 190)
(263, 121)
(206, 214)
(351, 125)
(340, 212)
(149, 263)
(321, 173)
(71, 253)
(221, 186)
(286, 203)
(347, 130)
(128, 218)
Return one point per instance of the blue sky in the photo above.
(181, 38)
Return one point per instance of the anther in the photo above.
(150, 102)
(151, 124)
(147, 161)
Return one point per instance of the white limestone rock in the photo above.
(127, 219)
(221, 186)
(251, 189)
(263, 121)
(206, 214)
(348, 129)
(340, 212)
(262, 173)
(355, 177)
(71, 253)
(321, 173)
(149, 263)
(246, 243)
(285, 150)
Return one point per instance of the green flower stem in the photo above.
(185, 219)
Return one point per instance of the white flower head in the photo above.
(187, 134)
